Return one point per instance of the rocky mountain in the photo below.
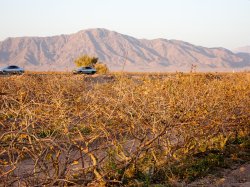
(118, 51)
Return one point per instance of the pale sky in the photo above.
(209, 23)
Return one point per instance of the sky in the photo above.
(209, 23)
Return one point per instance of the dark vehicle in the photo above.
(85, 70)
(10, 70)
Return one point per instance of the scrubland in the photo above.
(121, 129)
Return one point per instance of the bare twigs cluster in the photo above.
(67, 130)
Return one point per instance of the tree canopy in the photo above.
(86, 60)
(92, 61)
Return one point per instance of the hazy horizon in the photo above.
(207, 23)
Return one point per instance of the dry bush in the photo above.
(101, 68)
(65, 130)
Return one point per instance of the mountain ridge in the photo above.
(58, 52)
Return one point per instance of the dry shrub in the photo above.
(61, 129)
(101, 68)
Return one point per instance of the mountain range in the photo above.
(119, 52)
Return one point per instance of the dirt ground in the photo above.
(238, 176)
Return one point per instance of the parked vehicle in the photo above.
(10, 70)
(85, 70)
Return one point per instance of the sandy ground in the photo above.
(238, 176)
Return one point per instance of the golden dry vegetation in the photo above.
(121, 129)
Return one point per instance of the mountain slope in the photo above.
(245, 49)
(116, 50)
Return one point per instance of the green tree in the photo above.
(86, 60)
